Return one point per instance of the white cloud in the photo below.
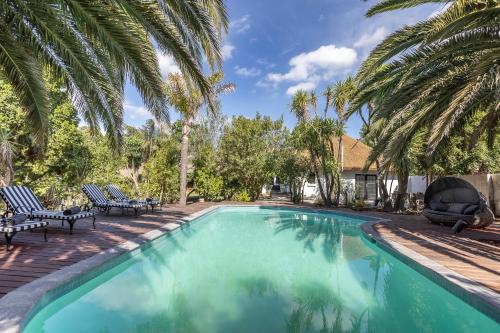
(167, 64)
(244, 71)
(227, 51)
(301, 86)
(240, 25)
(320, 64)
(136, 112)
(372, 39)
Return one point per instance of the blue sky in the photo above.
(276, 47)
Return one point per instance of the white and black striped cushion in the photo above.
(58, 215)
(20, 199)
(26, 225)
(119, 196)
(96, 196)
(116, 193)
(125, 204)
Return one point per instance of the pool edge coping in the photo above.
(468, 290)
(20, 305)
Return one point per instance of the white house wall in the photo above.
(417, 184)
(311, 190)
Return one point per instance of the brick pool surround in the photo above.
(20, 305)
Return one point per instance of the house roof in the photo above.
(356, 154)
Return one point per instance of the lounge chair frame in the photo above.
(98, 200)
(117, 195)
(22, 200)
(10, 231)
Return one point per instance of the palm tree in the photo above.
(370, 133)
(6, 156)
(151, 133)
(343, 92)
(188, 101)
(300, 105)
(434, 75)
(328, 93)
(315, 135)
(313, 102)
(94, 47)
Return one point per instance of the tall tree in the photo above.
(314, 134)
(188, 101)
(370, 133)
(95, 46)
(134, 153)
(248, 151)
(161, 171)
(6, 157)
(343, 92)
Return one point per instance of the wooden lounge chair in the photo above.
(450, 199)
(22, 200)
(98, 200)
(117, 195)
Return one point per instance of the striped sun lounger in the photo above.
(22, 200)
(99, 201)
(10, 231)
(117, 195)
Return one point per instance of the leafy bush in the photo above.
(161, 172)
(359, 204)
(247, 153)
(208, 184)
(242, 196)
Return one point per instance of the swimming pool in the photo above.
(256, 269)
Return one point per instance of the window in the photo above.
(366, 187)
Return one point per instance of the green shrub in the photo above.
(242, 196)
(359, 204)
(208, 185)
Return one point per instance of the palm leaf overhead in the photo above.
(433, 76)
(96, 46)
(387, 5)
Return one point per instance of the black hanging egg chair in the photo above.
(449, 199)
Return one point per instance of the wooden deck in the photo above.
(475, 254)
(32, 257)
(472, 253)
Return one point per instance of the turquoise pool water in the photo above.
(261, 270)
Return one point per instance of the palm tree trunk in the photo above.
(9, 173)
(341, 168)
(402, 189)
(381, 183)
(8, 177)
(184, 161)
